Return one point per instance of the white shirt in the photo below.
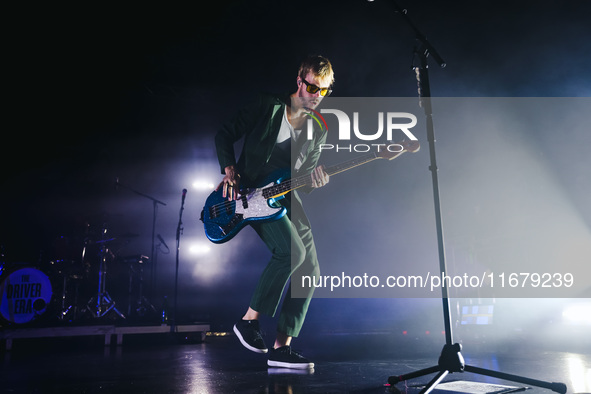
(286, 131)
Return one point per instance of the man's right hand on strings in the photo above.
(230, 183)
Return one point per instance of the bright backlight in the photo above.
(577, 314)
(203, 185)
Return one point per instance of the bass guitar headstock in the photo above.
(395, 149)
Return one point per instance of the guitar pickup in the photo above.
(244, 202)
(213, 212)
(216, 211)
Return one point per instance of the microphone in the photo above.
(184, 195)
(162, 241)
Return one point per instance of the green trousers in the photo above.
(293, 255)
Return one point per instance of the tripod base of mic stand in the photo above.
(451, 360)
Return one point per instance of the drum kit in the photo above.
(70, 285)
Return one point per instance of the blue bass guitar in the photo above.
(223, 219)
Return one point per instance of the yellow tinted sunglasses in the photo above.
(310, 88)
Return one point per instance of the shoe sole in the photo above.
(280, 364)
(245, 344)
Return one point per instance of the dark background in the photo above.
(97, 93)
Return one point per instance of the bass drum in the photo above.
(25, 295)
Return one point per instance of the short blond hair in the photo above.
(319, 66)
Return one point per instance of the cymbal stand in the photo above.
(451, 359)
(143, 305)
(68, 275)
(102, 303)
(73, 308)
(155, 204)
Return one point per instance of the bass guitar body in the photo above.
(223, 219)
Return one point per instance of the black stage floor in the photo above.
(345, 363)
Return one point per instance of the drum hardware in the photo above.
(155, 204)
(2, 259)
(158, 250)
(61, 268)
(69, 268)
(136, 269)
(72, 309)
(101, 304)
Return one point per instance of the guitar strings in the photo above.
(286, 186)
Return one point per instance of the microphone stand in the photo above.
(179, 231)
(155, 204)
(451, 359)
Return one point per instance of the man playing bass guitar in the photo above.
(271, 128)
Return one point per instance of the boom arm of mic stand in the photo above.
(118, 184)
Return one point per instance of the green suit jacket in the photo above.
(258, 123)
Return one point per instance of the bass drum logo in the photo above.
(25, 295)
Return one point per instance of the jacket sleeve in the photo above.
(232, 131)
